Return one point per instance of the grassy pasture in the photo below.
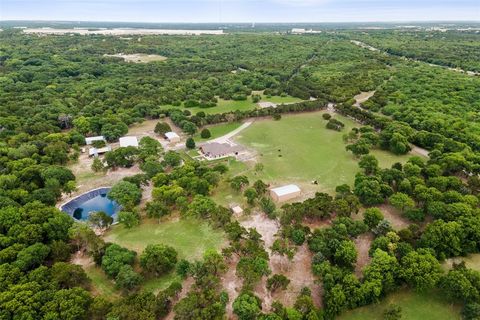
(190, 237)
(299, 149)
(415, 306)
(218, 130)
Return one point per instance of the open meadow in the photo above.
(299, 149)
(414, 306)
(191, 238)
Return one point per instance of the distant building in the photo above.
(267, 104)
(90, 140)
(128, 142)
(303, 31)
(285, 193)
(215, 150)
(172, 137)
(95, 152)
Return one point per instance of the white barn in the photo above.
(172, 137)
(285, 193)
(128, 142)
(90, 140)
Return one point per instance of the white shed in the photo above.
(172, 137)
(285, 193)
(128, 142)
(90, 140)
(96, 152)
(237, 210)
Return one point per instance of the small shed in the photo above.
(285, 193)
(128, 142)
(172, 137)
(90, 140)
(98, 151)
(237, 210)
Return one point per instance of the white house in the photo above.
(285, 193)
(128, 142)
(90, 140)
(172, 137)
(216, 150)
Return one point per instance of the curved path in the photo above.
(231, 134)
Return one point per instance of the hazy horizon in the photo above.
(240, 11)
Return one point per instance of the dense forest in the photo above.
(57, 90)
(449, 48)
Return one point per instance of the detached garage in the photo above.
(285, 193)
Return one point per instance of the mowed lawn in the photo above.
(190, 237)
(415, 306)
(218, 130)
(299, 148)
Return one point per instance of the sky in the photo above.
(221, 11)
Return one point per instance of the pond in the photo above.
(92, 201)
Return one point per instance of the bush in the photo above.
(158, 259)
(205, 134)
(372, 217)
(393, 312)
(162, 127)
(128, 219)
(415, 215)
(190, 144)
(127, 279)
(334, 124)
(277, 116)
(326, 116)
(115, 258)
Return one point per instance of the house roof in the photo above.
(215, 149)
(128, 141)
(171, 135)
(288, 189)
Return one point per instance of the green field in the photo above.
(243, 105)
(218, 130)
(299, 149)
(190, 237)
(415, 306)
(101, 283)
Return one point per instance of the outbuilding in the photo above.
(128, 142)
(98, 151)
(90, 140)
(285, 193)
(172, 137)
(237, 210)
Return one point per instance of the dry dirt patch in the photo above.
(298, 270)
(362, 243)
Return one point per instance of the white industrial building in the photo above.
(285, 193)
